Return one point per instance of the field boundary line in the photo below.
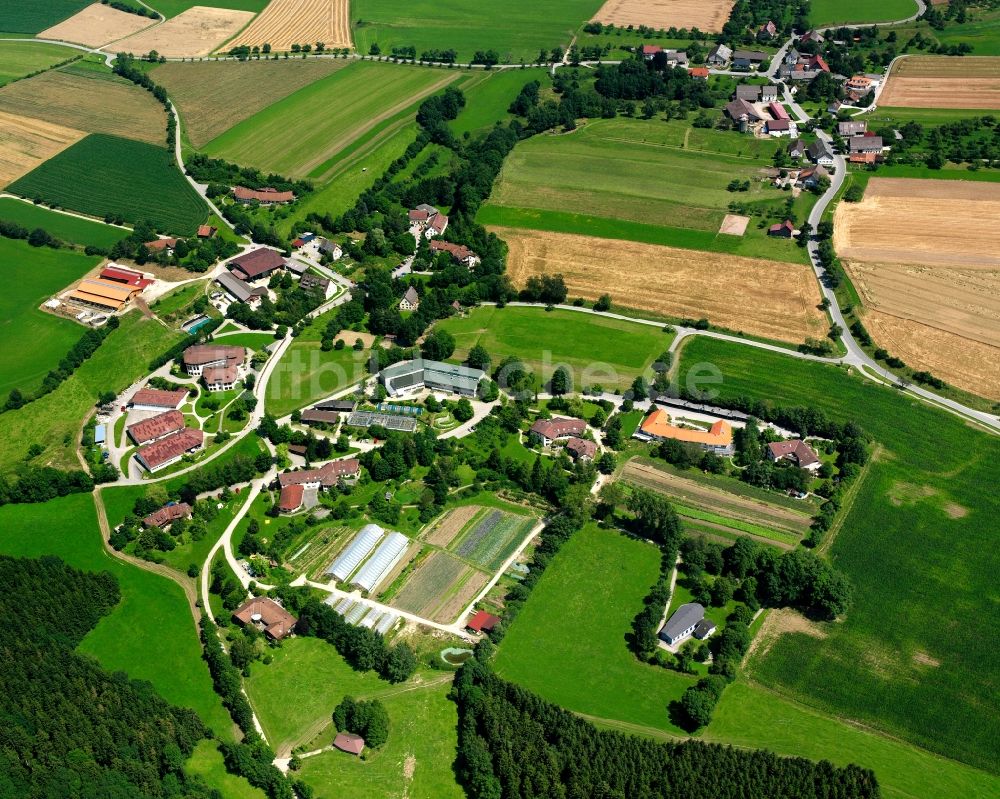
(848, 504)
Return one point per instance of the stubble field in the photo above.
(944, 82)
(196, 32)
(705, 15)
(776, 300)
(26, 142)
(96, 25)
(286, 22)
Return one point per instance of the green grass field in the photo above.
(609, 352)
(18, 59)
(516, 30)
(916, 543)
(488, 100)
(422, 740)
(982, 31)
(139, 181)
(668, 186)
(332, 113)
(206, 762)
(568, 643)
(151, 634)
(34, 341)
(16, 16)
(70, 229)
(171, 8)
(836, 12)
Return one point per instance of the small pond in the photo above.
(455, 656)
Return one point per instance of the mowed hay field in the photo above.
(705, 15)
(286, 22)
(775, 300)
(326, 116)
(943, 82)
(196, 32)
(212, 96)
(96, 25)
(89, 101)
(26, 142)
(18, 59)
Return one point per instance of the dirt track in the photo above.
(195, 32)
(286, 22)
(96, 25)
(706, 15)
(944, 82)
(776, 300)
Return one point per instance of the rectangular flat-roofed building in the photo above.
(436, 375)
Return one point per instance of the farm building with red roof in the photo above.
(482, 622)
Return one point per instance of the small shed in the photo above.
(350, 743)
(100, 434)
(482, 622)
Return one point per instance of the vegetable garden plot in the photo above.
(491, 537)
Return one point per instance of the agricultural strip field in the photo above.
(139, 181)
(595, 349)
(18, 59)
(490, 537)
(439, 588)
(89, 102)
(322, 550)
(780, 300)
(917, 544)
(34, 341)
(17, 16)
(212, 96)
(944, 82)
(705, 15)
(443, 530)
(752, 515)
(568, 642)
(96, 25)
(26, 142)
(195, 32)
(669, 186)
(837, 12)
(67, 228)
(287, 22)
(339, 108)
(517, 30)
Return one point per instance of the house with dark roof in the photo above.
(743, 113)
(317, 283)
(810, 177)
(820, 153)
(169, 450)
(852, 128)
(265, 196)
(782, 230)
(748, 92)
(256, 264)
(779, 127)
(746, 60)
(167, 515)
(156, 427)
(797, 149)
(198, 357)
(326, 476)
(410, 300)
(548, 431)
(581, 449)
(459, 253)
(239, 291)
(682, 623)
(868, 143)
(161, 245)
(221, 378)
(266, 615)
(350, 743)
(719, 55)
(794, 451)
(316, 416)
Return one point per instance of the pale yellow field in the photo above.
(706, 15)
(26, 142)
(97, 25)
(943, 82)
(287, 22)
(195, 32)
(763, 298)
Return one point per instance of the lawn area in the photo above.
(139, 181)
(750, 716)
(917, 545)
(568, 643)
(35, 341)
(609, 352)
(252, 341)
(70, 229)
(422, 741)
(488, 100)
(151, 634)
(340, 108)
(517, 30)
(836, 12)
(982, 31)
(669, 186)
(171, 8)
(206, 762)
(55, 419)
(18, 59)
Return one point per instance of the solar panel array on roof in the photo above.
(381, 562)
(363, 543)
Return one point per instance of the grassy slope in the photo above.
(920, 569)
(34, 341)
(67, 228)
(17, 16)
(835, 12)
(596, 350)
(206, 762)
(568, 643)
(151, 634)
(138, 181)
(982, 31)
(55, 419)
(332, 111)
(171, 8)
(487, 102)
(516, 29)
(18, 59)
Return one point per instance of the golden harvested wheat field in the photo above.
(763, 298)
(196, 32)
(26, 142)
(943, 82)
(96, 25)
(706, 15)
(287, 22)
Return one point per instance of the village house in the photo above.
(459, 252)
(238, 291)
(852, 128)
(867, 143)
(810, 177)
(746, 60)
(297, 268)
(169, 450)
(689, 619)
(657, 427)
(820, 153)
(410, 300)
(782, 230)
(156, 427)
(350, 743)
(767, 31)
(860, 84)
(482, 622)
(267, 616)
(437, 226)
(779, 127)
(256, 264)
(331, 248)
(581, 449)
(795, 451)
(797, 149)
(167, 515)
(207, 231)
(200, 356)
(719, 55)
(649, 51)
(323, 285)
(154, 399)
(266, 196)
(221, 378)
(701, 73)
(812, 36)
(291, 498)
(548, 431)
(326, 476)
(743, 114)
(161, 245)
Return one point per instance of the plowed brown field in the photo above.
(96, 25)
(195, 32)
(287, 22)
(706, 15)
(763, 298)
(943, 82)
(26, 142)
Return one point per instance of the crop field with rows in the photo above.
(491, 536)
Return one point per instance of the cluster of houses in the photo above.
(568, 433)
(163, 439)
(427, 221)
(757, 109)
(863, 147)
(737, 60)
(248, 274)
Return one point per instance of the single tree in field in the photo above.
(560, 382)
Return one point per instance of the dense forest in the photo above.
(513, 744)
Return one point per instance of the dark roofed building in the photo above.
(482, 622)
(156, 427)
(349, 742)
(796, 148)
(315, 416)
(221, 378)
(796, 451)
(748, 92)
(199, 356)
(324, 477)
(267, 615)
(549, 430)
(238, 290)
(682, 623)
(344, 406)
(256, 264)
(742, 111)
(410, 301)
(703, 629)
(782, 230)
(311, 282)
(459, 252)
(291, 498)
(169, 450)
(581, 448)
(167, 515)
